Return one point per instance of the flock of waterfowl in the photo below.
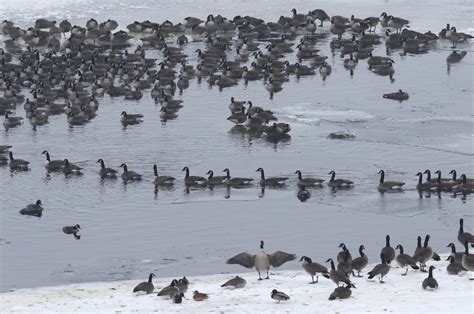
(343, 275)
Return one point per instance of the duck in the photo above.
(359, 263)
(464, 236)
(261, 261)
(162, 180)
(404, 260)
(199, 296)
(279, 295)
(467, 259)
(236, 181)
(128, 119)
(381, 269)
(235, 283)
(423, 254)
(169, 291)
(272, 181)
(129, 175)
(388, 185)
(35, 209)
(18, 164)
(430, 282)
(342, 292)
(53, 165)
(400, 95)
(313, 269)
(337, 275)
(74, 230)
(454, 267)
(213, 181)
(146, 286)
(69, 168)
(308, 182)
(106, 172)
(339, 183)
(193, 180)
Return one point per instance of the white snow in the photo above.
(397, 294)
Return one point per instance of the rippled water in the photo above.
(129, 230)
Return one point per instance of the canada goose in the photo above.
(106, 172)
(423, 254)
(381, 269)
(279, 296)
(272, 181)
(468, 259)
(384, 69)
(238, 117)
(360, 262)
(129, 175)
(345, 264)
(4, 148)
(342, 292)
(236, 283)
(430, 282)
(325, 69)
(33, 209)
(466, 185)
(313, 268)
(18, 164)
(464, 236)
(453, 36)
(53, 165)
(344, 254)
(236, 106)
(38, 118)
(337, 28)
(444, 184)
(337, 275)
(388, 185)
(454, 267)
(193, 180)
(424, 186)
(273, 87)
(178, 298)
(182, 284)
(169, 291)
(261, 261)
(212, 180)
(74, 230)
(199, 296)
(146, 286)
(338, 183)
(456, 255)
(397, 23)
(378, 60)
(303, 195)
(400, 95)
(128, 119)
(235, 181)
(350, 63)
(308, 182)
(162, 180)
(388, 251)
(167, 114)
(11, 122)
(70, 168)
(405, 260)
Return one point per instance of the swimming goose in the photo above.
(4, 148)
(53, 165)
(378, 60)
(466, 185)
(235, 181)
(444, 184)
(106, 172)
(212, 180)
(456, 255)
(360, 262)
(18, 164)
(169, 291)
(424, 186)
(272, 181)
(167, 114)
(162, 180)
(279, 296)
(430, 282)
(33, 209)
(464, 236)
(381, 269)
(199, 296)
(11, 122)
(74, 230)
(308, 182)
(405, 260)
(350, 63)
(129, 175)
(261, 261)
(69, 168)
(454, 267)
(236, 106)
(468, 259)
(337, 275)
(236, 283)
(400, 95)
(325, 69)
(388, 185)
(146, 286)
(313, 268)
(238, 117)
(303, 195)
(338, 183)
(342, 292)
(128, 119)
(193, 180)
(423, 254)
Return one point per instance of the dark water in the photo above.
(129, 230)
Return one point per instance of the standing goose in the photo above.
(106, 172)
(18, 164)
(338, 183)
(193, 180)
(33, 209)
(405, 260)
(162, 180)
(456, 255)
(129, 175)
(70, 168)
(313, 268)
(236, 283)
(388, 251)
(261, 261)
(381, 269)
(308, 182)
(360, 262)
(169, 291)
(215, 180)
(423, 254)
(74, 230)
(388, 185)
(454, 268)
(346, 264)
(342, 292)
(235, 181)
(279, 296)
(146, 286)
(430, 282)
(464, 236)
(337, 275)
(272, 181)
(53, 165)
(468, 259)
(344, 254)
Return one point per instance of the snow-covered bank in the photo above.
(397, 294)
